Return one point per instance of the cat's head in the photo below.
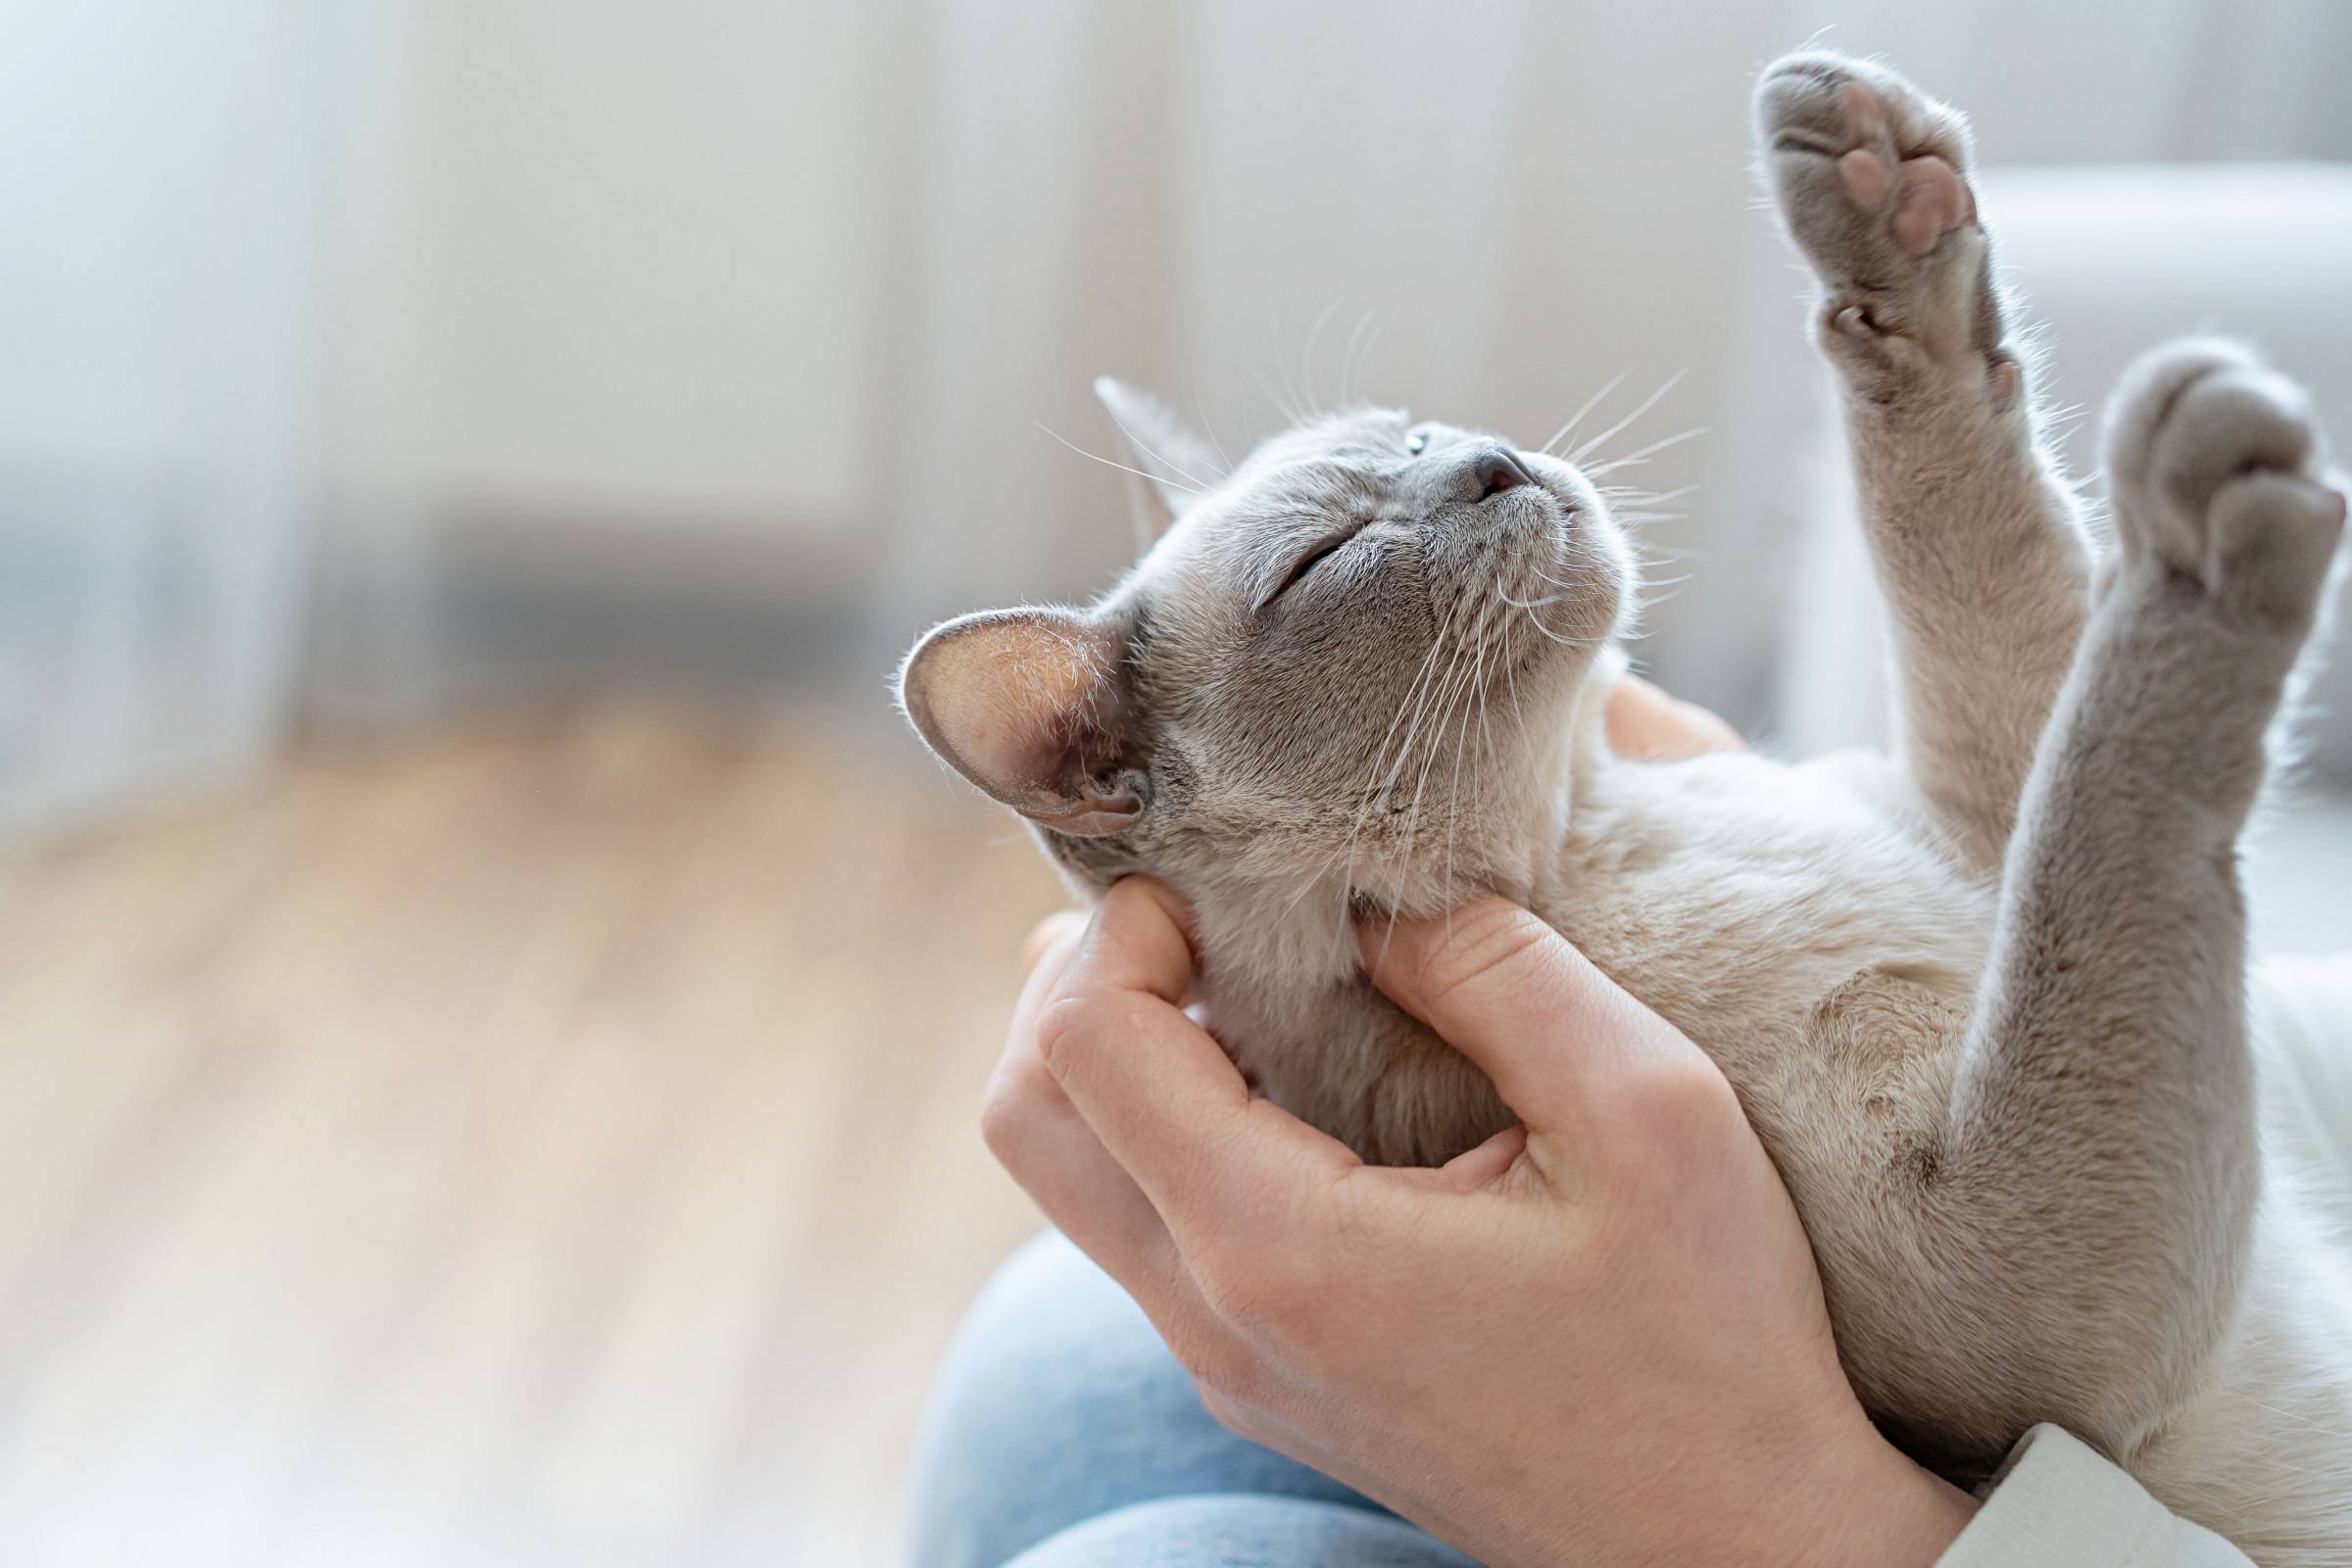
(1347, 664)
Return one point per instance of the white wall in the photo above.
(1529, 198)
(740, 315)
(647, 272)
(158, 193)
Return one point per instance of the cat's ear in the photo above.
(1029, 705)
(1180, 466)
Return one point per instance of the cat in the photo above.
(1982, 999)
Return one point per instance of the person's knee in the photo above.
(1050, 1347)
(1037, 1295)
(1207, 1531)
(1057, 1401)
(1051, 1363)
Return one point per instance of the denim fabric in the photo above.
(1063, 1435)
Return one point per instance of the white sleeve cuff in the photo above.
(2058, 1504)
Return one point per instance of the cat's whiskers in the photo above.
(1478, 703)
(1121, 466)
(1455, 707)
(1281, 404)
(1201, 485)
(1641, 454)
(1365, 335)
(1421, 745)
(1530, 608)
(1643, 407)
(1631, 495)
(1485, 733)
(1565, 642)
(1578, 418)
(1306, 359)
(1375, 788)
(1438, 646)
(1450, 692)
(1643, 606)
(1510, 672)
(1214, 440)
(1453, 793)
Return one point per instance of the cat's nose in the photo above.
(1495, 470)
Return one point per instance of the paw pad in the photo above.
(1930, 200)
(2215, 461)
(1871, 176)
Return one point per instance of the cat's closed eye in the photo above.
(1315, 557)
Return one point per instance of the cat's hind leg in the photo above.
(1975, 536)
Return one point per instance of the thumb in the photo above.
(1551, 1031)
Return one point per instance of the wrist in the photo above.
(1874, 1507)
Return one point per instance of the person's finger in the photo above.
(1038, 1136)
(1047, 1148)
(1486, 1164)
(1059, 927)
(1517, 998)
(1140, 939)
(1046, 954)
(1471, 1171)
(1156, 1089)
(1647, 725)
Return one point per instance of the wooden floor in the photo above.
(545, 1145)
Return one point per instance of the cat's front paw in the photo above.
(2216, 470)
(1871, 176)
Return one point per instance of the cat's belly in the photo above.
(1794, 921)
(2252, 1455)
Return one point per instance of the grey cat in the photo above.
(1984, 999)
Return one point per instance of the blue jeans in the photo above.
(1063, 1435)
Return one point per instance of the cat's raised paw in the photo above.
(1871, 176)
(2218, 472)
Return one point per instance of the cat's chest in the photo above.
(1795, 925)
(1768, 911)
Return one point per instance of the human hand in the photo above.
(1597, 1337)
(1647, 725)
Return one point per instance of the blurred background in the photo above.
(492, 1003)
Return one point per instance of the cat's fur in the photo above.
(1984, 999)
